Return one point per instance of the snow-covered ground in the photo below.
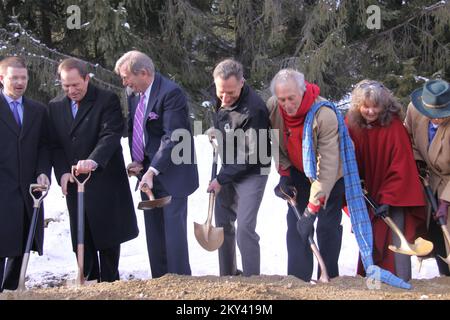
(59, 261)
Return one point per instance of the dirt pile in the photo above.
(174, 287)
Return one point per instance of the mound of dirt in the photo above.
(174, 287)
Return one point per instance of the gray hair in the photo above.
(286, 75)
(228, 68)
(135, 61)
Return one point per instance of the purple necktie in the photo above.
(16, 112)
(138, 142)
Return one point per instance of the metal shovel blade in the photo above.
(156, 203)
(421, 247)
(209, 237)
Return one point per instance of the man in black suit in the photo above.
(86, 125)
(158, 117)
(24, 159)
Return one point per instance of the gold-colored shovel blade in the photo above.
(157, 203)
(209, 237)
(421, 247)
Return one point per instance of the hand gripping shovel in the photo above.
(421, 247)
(152, 202)
(209, 237)
(80, 228)
(441, 221)
(34, 188)
(323, 269)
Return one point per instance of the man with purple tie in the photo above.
(158, 111)
(24, 159)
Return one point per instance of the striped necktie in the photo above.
(138, 132)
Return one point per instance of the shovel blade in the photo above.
(421, 247)
(209, 237)
(157, 203)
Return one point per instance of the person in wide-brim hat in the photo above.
(433, 100)
(428, 123)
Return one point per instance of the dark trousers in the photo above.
(329, 231)
(166, 233)
(436, 236)
(240, 202)
(103, 264)
(10, 273)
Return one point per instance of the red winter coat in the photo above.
(386, 163)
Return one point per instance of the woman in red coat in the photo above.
(386, 163)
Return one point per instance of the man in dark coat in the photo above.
(242, 119)
(24, 159)
(86, 126)
(158, 124)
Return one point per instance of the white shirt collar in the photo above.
(9, 99)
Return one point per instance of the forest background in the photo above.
(334, 43)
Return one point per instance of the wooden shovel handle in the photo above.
(147, 191)
(79, 182)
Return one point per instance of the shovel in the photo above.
(152, 202)
(43, 189)
(80, 228)
(323, 269)
(434, 208)
(421, 247)
(208, 236)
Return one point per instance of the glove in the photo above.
(305, 225)
(285, 185)
(382, 211)
(422, 168)
(442, 212)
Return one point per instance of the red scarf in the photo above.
(293, 125)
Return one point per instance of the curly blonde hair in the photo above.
(376, 92)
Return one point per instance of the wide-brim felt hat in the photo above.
(433, 99)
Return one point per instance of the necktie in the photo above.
(15, 111)
(431, 133)
(138, 142)
(75, 105)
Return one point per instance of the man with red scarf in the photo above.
(292, 99)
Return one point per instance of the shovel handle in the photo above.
(147, 191)
(213, 141)
(79, 182)
(138, 174)
(323, 269)
(212, 199)
(38, 188)
(429, 194)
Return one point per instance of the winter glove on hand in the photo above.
(285, 185)
(442, 212)
(305, 226)
(382, 211)
(422, 168)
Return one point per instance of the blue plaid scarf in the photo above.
(359, 217)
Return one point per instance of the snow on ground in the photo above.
(59, 261)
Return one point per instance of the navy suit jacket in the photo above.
(24, 155)
(167, 126)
